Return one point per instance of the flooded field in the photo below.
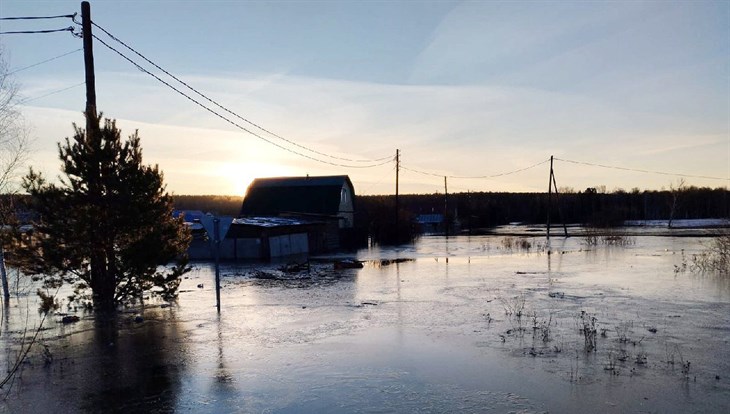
(465, 324)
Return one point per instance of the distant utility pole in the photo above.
(550, 196)
(397, 206)
(446, 207)
(88, 61)
(552, 184)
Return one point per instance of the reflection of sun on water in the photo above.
(238, 176)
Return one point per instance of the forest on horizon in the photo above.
(592, 206)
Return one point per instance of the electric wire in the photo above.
(24, 101)
(67, 29)
(68, 16)
(476, 176)
(640, 170)
(237, 125)
(228, 110)
(378, 162)
(378, 182)
(45, 61)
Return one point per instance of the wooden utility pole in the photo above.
(446, 207)
(550, 196)
(88, 61)
(397, 206)
(552, 184)
(101, 279)
(560, 210)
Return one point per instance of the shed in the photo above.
(270, 237)
(256, 238)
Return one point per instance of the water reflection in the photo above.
(387, 262)
(399, 305)
(135, 366)
(223, 385)
(406, 333)
(105, 365)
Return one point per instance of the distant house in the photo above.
(192, 219)
(190, 216)
(431, 223)
(326, 204)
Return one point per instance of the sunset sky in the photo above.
(473, 88)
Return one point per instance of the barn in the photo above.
(322, 207)
(331, 197)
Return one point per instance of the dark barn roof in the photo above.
(310, 195)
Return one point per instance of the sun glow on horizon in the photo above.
(238, 176)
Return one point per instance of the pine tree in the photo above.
(107, 226)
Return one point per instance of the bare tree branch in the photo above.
(14, 139)
(14, 143)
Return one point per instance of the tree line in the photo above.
(216, 204)
(375, 214)
(592, 207)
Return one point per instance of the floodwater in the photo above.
(464, 324)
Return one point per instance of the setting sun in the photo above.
(238, 176)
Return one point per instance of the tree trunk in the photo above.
(102, 284)
(671, 211)
(4, 275)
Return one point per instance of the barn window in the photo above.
(343, 195)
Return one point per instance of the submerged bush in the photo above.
(48, 302)
(587, 327)
(717, 256)
(606, 237)
(522, 244)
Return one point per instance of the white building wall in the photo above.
(288, 244)
(347, 207)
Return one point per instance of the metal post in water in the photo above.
(216, 235)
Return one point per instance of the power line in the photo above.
(379, 181)
(42, 62)
(476, 176)
(226, 109)
(24, 101)
(230, 121)
(69, 16)
(641, 171)
(68, 29)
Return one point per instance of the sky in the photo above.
(461, 88)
